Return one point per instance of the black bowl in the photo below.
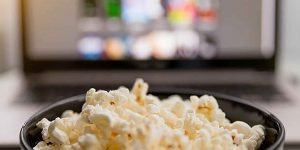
(235, 109)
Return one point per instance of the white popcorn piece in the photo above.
(170, 102)
(237, 137)
(204, 105)
(60, 136)
(170, 118)
(41, 146)
(102, 117)
(192, 124)
(118, 98)
(152, 109)
(89, 142)
(242, 128)
(44, 125)
(259, 134)
(140, 89)
(68, 114)
(132, 120)
(156, 119)
(179, 109)
(151, 99)
(58, 131)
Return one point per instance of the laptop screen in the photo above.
(101, 30)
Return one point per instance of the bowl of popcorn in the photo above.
(165, 119)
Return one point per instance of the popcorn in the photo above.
(41, 146)
(242, 128)
(133, 120)
(89, 142)
(179, 109)
(44, 125)
(140, 89)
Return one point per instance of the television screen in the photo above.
(149, 29)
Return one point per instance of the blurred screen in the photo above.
(149, 29)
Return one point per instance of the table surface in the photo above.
(14, 113)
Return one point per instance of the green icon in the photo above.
(113, 8)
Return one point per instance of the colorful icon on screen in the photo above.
(163, 44)
(133, 11)
(113, 8)
(90, 47)
(187, 42)
(141, 11)
(153, 9)
(114, 49)
(207, 14)
(141, 49)
(182, 12)
(162, 29)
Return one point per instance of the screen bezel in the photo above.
(35, 66)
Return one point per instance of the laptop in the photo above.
(69, 46)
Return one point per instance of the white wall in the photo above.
(290, 37)
(2, 27)
(9, 36)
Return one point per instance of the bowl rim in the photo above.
(23, 142)
(169, 91)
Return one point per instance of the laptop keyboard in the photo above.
(50, 94)
(249, 92)
(44, 93)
